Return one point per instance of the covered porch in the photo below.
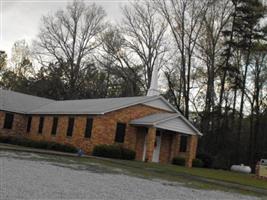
(163, 136)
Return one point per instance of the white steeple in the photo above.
(153, 90)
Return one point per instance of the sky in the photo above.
(20, 19)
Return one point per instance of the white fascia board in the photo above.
(191, 125)
(168, 103)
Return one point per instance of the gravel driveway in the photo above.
(22, 178)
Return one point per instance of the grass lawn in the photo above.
(174, 172)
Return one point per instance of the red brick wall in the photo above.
(103, 131)
(166, 148)
(77, 138)
(150, 143)
(170, 148)
(175, 146)
(19, 124)
(191, 150)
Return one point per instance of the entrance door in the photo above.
(156, 151)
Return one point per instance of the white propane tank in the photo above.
(241, 168)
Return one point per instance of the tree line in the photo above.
(211, 55)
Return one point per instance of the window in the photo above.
(88, 129)
(29, 124)
(9, 118)
(54, 126)
(183, 143)
(41, 125)
(120, 132)
(70, 126)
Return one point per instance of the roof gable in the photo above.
(153, 119)
(177, 124)
(168, 121)
(160, 103)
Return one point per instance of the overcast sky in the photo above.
(20, 19)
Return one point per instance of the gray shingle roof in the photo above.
(89, 106)
(168, 121)
(20, 103)
(27, 104)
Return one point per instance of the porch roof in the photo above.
(167, 121)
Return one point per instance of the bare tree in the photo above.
(69, 37)
(185, 19)
(118, 61)
(210, 46)
(144, 32)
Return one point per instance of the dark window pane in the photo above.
(9, 118)
(29, 124)
(41, 125)
(120, 132)
(183, 143)
(54, 127)
(70, 126)
(88, 129)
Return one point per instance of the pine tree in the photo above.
(242, 37)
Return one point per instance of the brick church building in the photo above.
(150, 125)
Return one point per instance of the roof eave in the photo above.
(191, 125)
(171, 106)
(180, 132)
(65, 113)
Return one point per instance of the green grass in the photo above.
(182, 175)
(222, 175)
(171, 171)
